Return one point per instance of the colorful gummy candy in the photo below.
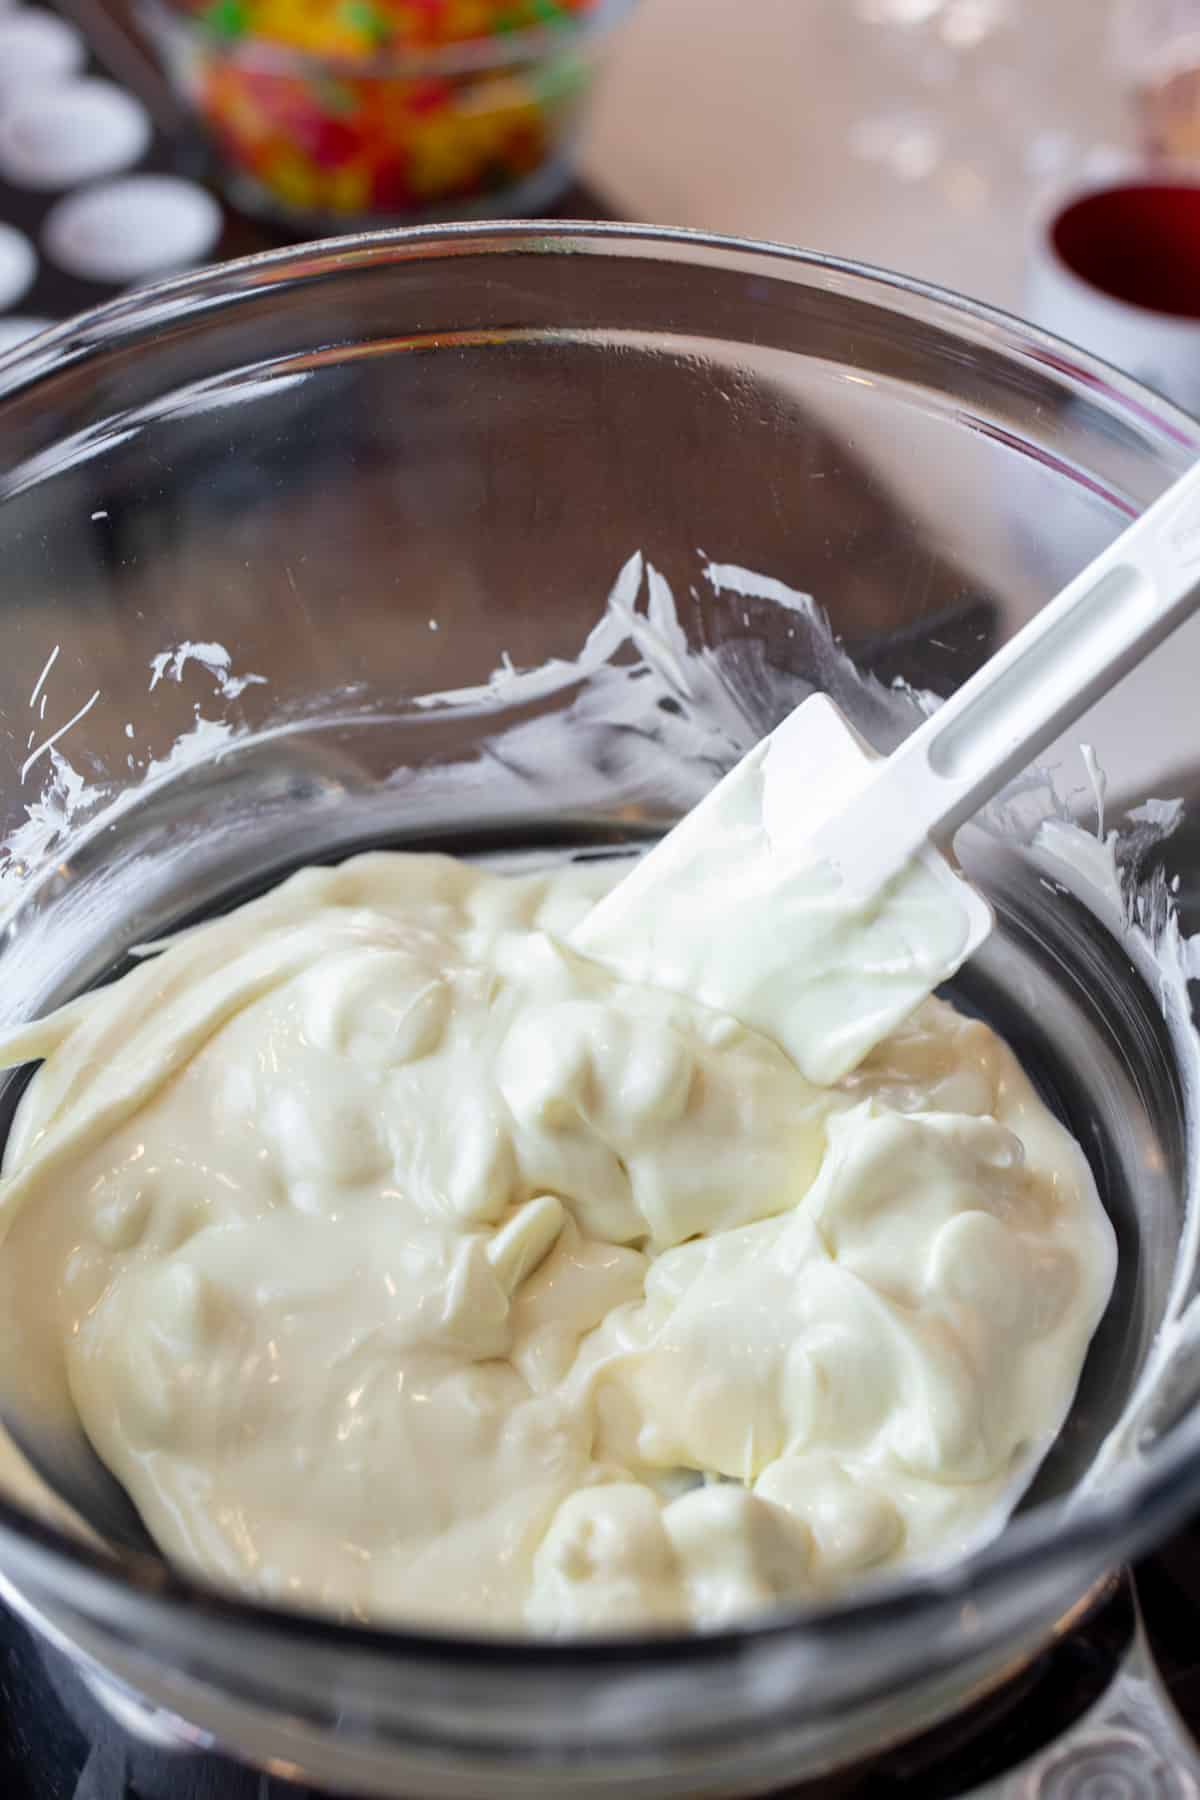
(386, 107)
(359, 28)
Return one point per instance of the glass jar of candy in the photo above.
(343, 112)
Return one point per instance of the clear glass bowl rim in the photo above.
(471, 56)
(1093, 1532)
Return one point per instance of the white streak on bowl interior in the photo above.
(18, 329)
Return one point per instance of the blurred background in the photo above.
(917, 134)
(140, 136)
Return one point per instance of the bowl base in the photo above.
(536, 194)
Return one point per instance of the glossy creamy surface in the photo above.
(400, 1261)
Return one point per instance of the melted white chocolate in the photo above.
(400, 1261)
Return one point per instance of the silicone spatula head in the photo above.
(807, 895)
(731, 910)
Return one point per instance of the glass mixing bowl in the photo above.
(249, 518)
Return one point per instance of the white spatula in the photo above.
(807, 895)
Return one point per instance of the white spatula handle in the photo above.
(1076, 648)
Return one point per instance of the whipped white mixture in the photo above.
(400, 1261)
